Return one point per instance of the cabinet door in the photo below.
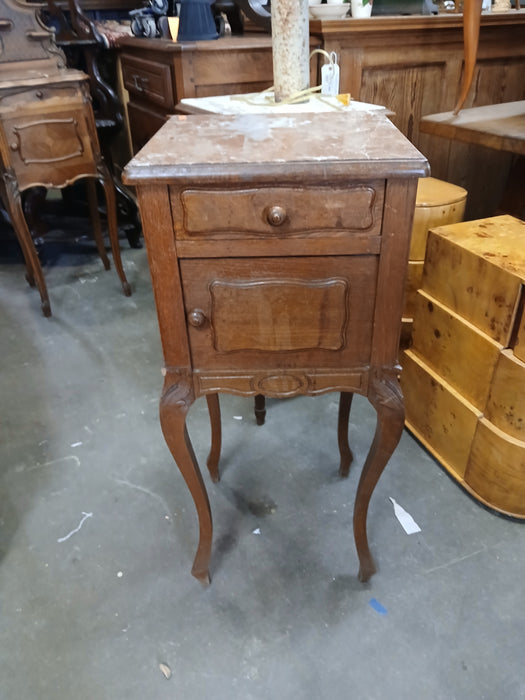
(275, 313)
(51, 146)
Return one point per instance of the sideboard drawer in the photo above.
(279, 312)
(277, 211)
(148, 80)
(144, 122)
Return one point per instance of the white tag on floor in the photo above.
(407, 521)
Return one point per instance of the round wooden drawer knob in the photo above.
(196, 318)
(276, 216)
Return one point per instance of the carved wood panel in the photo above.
(277, 211)
(281, 313)
(50, 151)
(285, 314)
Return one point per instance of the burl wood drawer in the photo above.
(279, 312)
(276, 211)
(148, 80)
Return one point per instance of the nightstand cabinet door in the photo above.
(279, 312)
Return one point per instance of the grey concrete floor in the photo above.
(94, 614)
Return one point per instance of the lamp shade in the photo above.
(196, 21)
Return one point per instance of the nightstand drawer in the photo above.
(149, 80)
(278, 312)
(32, 97)
(278, 211)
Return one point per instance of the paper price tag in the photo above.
(330, 79)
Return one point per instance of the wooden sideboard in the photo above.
(158, 73)
(413, 65)
(464, 374)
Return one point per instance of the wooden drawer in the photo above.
(40, 94)
(496, 469)
(437, 414)
(519, 345)
(455, 349)
(278, 211)
(280, 313)
(143, 124)
(506, 403)
(477, 268)
(148, 80)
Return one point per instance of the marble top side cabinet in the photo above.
(278, 249)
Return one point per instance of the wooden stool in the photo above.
(464, 375)
(438, 203)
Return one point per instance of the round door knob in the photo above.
(196, 318)
(14, 146)
(276, 216)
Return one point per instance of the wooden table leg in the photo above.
(386, 397)
(91, 186)
(176, 400)
(214, 409)
(111, 203)
(260, 409)
(345, 404)
(34, 274)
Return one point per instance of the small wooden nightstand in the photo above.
(278, 249)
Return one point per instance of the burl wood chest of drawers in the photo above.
(278, 250)
(464, 375)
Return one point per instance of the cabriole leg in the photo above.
(111, 204)
(34, 274)
(386, 397)
(91, 186)
(176, 400)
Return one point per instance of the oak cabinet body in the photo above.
(279, 269)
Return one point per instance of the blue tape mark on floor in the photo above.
(377, 606)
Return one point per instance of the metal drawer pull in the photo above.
(276, 216)
(196, 318)
(140, 82)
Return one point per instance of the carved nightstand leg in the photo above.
(386, 397)
(175, 402)
(34, 274)
(345, 404)
(95, 221)
(214, 410)
(111, 203)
